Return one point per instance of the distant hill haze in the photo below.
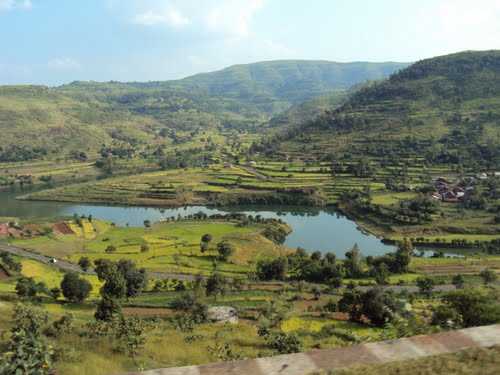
(82, 116)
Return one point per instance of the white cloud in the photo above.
(6, 5)
(170, 17)
(230, 18)
(64, 63)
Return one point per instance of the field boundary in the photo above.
(365, 354)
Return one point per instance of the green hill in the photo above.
(445, 109)
(37, 122)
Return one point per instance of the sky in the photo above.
(52, 42)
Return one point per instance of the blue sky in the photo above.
(57, 41)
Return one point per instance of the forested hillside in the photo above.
(445, 110)
(40, 122)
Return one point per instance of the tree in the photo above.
(381, 274)
(115, 285)
(274, 269)
(136, 280)
(378, 306)
(74, 288)
(216, 284)
(335, 282)
(203, 247)
(205, 242)
(225, 250)
(206, 238)
(107, 309)
(475, 306)
(425, 285)
(352, 263)
(55, 293)
(317, 293)
(458, 281)
(26, 287)
(402, 257)
(330, 258)
(316, 255)
(27, 351)
(488, 275)
(110, 249)
(84, 263)
(352, 303)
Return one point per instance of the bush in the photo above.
(27, 351)
(284, 343)
(425, 285)
(225, 250)
(129, 335)
(84, 263)
(446, 317)
(107, 309)
(475, 307)
(110, 249)
(26, 287)
(330, 306)
(488, 276)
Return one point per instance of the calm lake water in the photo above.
(322, 230)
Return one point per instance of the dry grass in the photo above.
(480, 361)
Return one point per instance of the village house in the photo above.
(448, 193)
(4, 230)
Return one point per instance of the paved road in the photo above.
(61, 264)
(68, 266)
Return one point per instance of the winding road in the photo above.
(71, 267)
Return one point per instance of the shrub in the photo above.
(85, 263)
(425, 285)
(284, 343)
(110, 249)
(475, 307)
(26, 287)
(27, 351)
(129, 335)
(107, 309)
(488, 276)
(225, 250)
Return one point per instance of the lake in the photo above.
(313, 229)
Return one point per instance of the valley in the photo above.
(323, 204)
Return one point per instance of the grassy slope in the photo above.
(84, 115)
